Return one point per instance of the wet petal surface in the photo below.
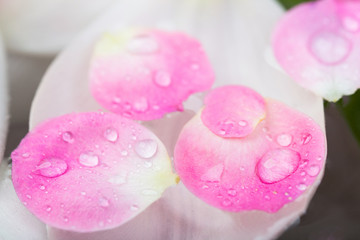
(265, 170)
(86, 172)
(144, 74)
(318, 46)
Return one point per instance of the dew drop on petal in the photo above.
(162, 78)
(68, 137)
(329, 47)
(213, 174)
(284, 140)
(350, 24)
(232, 192)
(143, 44)
(25, 155)
(134, 207)
(242, 123)
(89, 159)
(301, 186)
(313, 170)
(124, 153)
(306, 138)
(103, 202)
(226, 203)
(141, 105)
(146, 148)
(277, 164)
(111, 134)
(51, 167)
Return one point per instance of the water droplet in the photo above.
(103, 202)
(226, 203)
(42, 187)
(302, 173)
(146, 148)
(350, 24)
(48, 209)
(205, 187)
(232, 192)
(134, 207)
(242, 123)
(306, 138)
(118, 179)
(68, 137)
(284, 140)
(267, 197)
(329, 47)
(143, 44)
(277, 164)
(301, 186)
(66, 219)
(213, 174)
(51, 167)
(83, 193)
(25, 155)
(141, 105)
(111, 134)
(147, 164)
(313, 170)
(89, 159)
(162, 78)
(28, 196)
(124, 153)
(149, 192)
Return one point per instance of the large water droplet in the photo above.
(313, 170)
(284, 140)
(68, 137)
(89, 159)
(141, 105)
(277, 164)
(111, 134)
(143, 44)
(213, 174)
(162, 78)
(329, 47)
(53, 167)
(146, 148)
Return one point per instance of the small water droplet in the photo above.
(83, 193)
(350, 24)
(232, 192)
(213, 174)
(301, 186)
(103, 202)
(111, 134)
(226, 203)
(277, 164)
(267, 197)
(89, 159)
(141, 105)
(329, 47)
(134, 207)
(124, 153)
(319, 158)
(162, 78)
(147, 164)
(302, 173)
(118, 179)
(313, 170)
(66, 219)
(48, 209)
(51, 167)
(306, 138)
(143, 44)
(68, 137)
(205, 187)
(149, 192)
(28, 196)
(25, 155)
(146, 148)
(42, 187)
(284, 140)
(242, 123)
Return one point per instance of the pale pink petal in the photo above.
(268, 168)
(317, 44)
(144, 74)
(90, 171)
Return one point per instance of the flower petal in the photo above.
(235, 42)
(144, 74)
(44, 27)
(264, 170)
(90, 171)
(317, 44)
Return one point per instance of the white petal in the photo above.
(44, 27)
(236, 35)
(15, 220)
(3, 101)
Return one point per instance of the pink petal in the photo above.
(144, 74)
(265, 170)
(236, 114)
(90, 171)
(318, 46)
